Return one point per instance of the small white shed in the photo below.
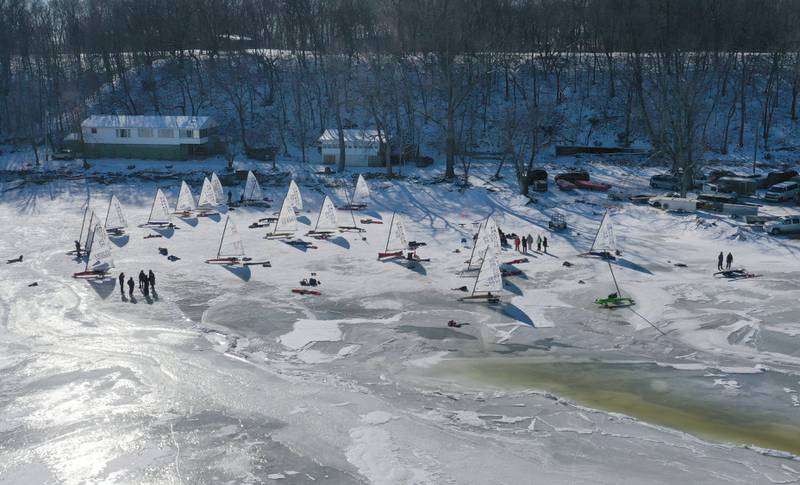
(363, 148)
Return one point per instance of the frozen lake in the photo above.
(226, 376)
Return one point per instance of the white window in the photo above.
(165, 133)
(145, 132)
(123, 133)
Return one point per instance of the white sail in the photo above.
(219, 192)
(89, 219)
(327, 217)
(91, 222)
(252, 190)
(115, 218)
(294, 197)
(185, 199)
(100, 250)
(488, 238)
(361, 192)
(160, 211)
(207, 198)
(605, 239)
(231, 244)
(489, 277)
(397, 235)
(287, 220)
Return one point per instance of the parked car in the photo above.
(718, 197)
(573, 176)
(782, 191)
(64, 155)
(715, 175)
(783, 225)
(778, 177)
(665, 181)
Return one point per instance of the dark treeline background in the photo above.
(713, 58)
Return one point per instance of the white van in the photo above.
(783, 191)
(783, 225)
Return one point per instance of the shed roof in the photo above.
(350, 136)
(131, 121)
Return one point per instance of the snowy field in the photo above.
(225, 376)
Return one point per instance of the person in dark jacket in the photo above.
(539, 243)
(524, 245)
(77, 248)
(122, 284)
(151, 278)
(146, 287)
(130, 287)
(544, 244)
(142, 279)
(720, 259)
(729, 261)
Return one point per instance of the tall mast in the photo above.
(150, 217)
(605, 214)
(109, 209)
(83, 222)
(479, 272)
(389, 236)
(475, 243)
(619, 293)
(223, 235)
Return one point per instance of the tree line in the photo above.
(684, 74)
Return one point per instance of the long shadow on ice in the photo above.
(511, 287)
(340, 241)
(189, 221)
(103, 288)
(166, 232)
(242, 272)
(514, 312)
(120, 241)
(631, 265)
(304, 219)
(412, 265)
(214, 217)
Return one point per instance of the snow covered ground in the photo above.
(226, 376)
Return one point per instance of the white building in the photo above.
(159, 137)
(363, 148)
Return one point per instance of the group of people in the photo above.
(727, 260)
(147, 283)
(526, 242)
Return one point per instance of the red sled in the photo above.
(517, 261)
(565, 185)
(589, 185)
(395, 254)
(88, 275)
(303, 291)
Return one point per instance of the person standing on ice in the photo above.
(130, 287)
(539, 243)
(142, 279)
(151, 278)
(516, 243)
(729, 261)
(544, 244)
(530, 242)
(719, 261)
(77, 248)
(524, 245)
(146, 289)
(122, 284)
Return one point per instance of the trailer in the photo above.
(676, 204)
